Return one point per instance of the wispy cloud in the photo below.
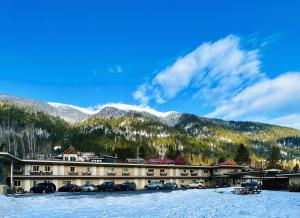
(276, 100)
(214, 71)
(115, 69)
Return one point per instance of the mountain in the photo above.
(30, 127)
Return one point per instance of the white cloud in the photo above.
(215, 71)
(277, 100)
(115, 69)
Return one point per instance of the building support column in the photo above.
(11, 174)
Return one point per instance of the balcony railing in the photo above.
(163, 173)
(18, 172)
(184, 174)
(40, 173)
(194, 174)
(111, 173)
(86, 173)
(125, 173)
(150, 173)
(73, 173)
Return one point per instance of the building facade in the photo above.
(26, 173)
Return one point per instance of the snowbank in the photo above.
(189, 203)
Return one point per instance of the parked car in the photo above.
(170, 185)
(195, 184)
(117, 187)
(106, 186)
(46, 187)
(88, 188)
(154, 185)
(128, 186)
(69, 188)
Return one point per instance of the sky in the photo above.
(234, 60)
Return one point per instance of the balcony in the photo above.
(18, 172)
(184, 174)
(194, 174)
(125, 173)
(35, 173)
(150, 173)
(111, 173)
(73, 173)
(163, 173)
(47, 173)
(86, 173)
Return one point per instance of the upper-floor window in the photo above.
(125, 169)
(184, 171)
(205, 171)
(87, 169)
(17, 183)
(111, 169)
(162, 170)
(47, 168)
(17, 168)
(235, 170)
(35, 168)
(150, 170)
(72, 169)
(216, 171)
(66, 159)
(72, 158)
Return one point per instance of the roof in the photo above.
(70, 151)
(227, 163)
(4, 156)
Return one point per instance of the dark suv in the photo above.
(106, 186)
(128, 186)
(46, 187)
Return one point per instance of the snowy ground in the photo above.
(182, 203)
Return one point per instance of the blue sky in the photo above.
(223, 59)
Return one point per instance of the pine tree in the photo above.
(242, 155)
(274, 157)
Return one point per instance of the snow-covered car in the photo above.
(154, 185)
(195, 184)
(88, 188)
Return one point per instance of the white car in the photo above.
(88, 188)
(195, 184)
(154, 185)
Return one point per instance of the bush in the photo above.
(294, 187)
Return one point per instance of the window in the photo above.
(205, 171)
(151, 170)
(182, 181)
(72, 158)
(112, 169)
(216, 171)
(206, 180)
(34, 182)
(184, 171)
(47, 168)
(87, 169)
(72, 169)
(66, 182)
(87, 182)
(235, 170)
(162, 181)
(35, 168)
(17, 183)
(125, 170)
(162, 170)
(17, 168)
(66, 159)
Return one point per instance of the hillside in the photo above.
(30, 128)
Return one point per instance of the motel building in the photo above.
(75, 168)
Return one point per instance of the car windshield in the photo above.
(40, 184)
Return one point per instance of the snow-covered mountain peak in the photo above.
(140, 109)
(88, 111)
